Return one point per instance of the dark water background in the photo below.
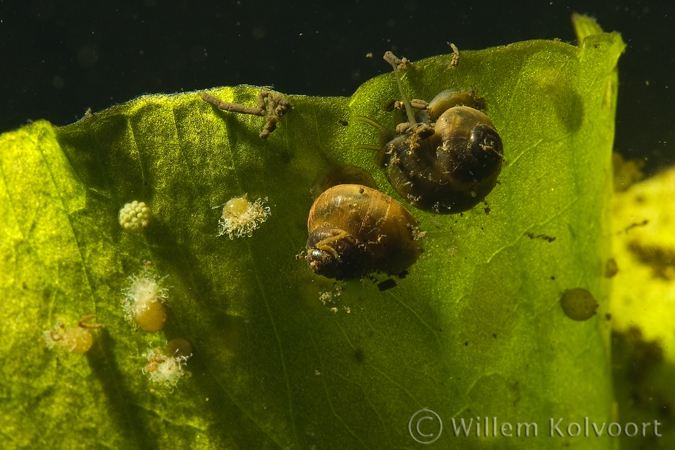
(61, 57)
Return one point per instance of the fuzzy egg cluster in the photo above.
(77, 339)
(135, 217)
(144, 299)
(163, 369)
(72, 340)
(241, 216)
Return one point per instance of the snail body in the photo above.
(447, 159)
(355, 230)
(447, 165)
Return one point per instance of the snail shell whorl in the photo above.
(452, 170)
(355, 230)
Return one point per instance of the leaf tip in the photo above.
(585, 26)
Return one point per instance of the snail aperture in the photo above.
(449, 160)
(355, 230)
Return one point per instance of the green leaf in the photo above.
(475, 329)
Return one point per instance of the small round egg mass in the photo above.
(151, 315)
(578, 304)
(143, 300)
(135, 216)
(236, 206)
(77, 339)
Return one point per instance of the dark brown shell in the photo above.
(449, 161)
(355, 230)
(452, 170)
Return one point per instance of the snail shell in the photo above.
(450, 98)
(355, 230)
(448, 163)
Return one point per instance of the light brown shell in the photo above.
(355, 230)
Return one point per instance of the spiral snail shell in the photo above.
(355, 230)
(448, 161)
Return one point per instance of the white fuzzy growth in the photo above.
(145, 289)
(163, 369)
(240, 217)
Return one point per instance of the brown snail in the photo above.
(355, 230)
(448, 160)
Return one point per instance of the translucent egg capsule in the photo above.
(578, 304)
(144, 300)
(77, 339)
(135, 217)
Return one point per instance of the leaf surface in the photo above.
(474, 331)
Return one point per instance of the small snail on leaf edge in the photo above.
(449, 160)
